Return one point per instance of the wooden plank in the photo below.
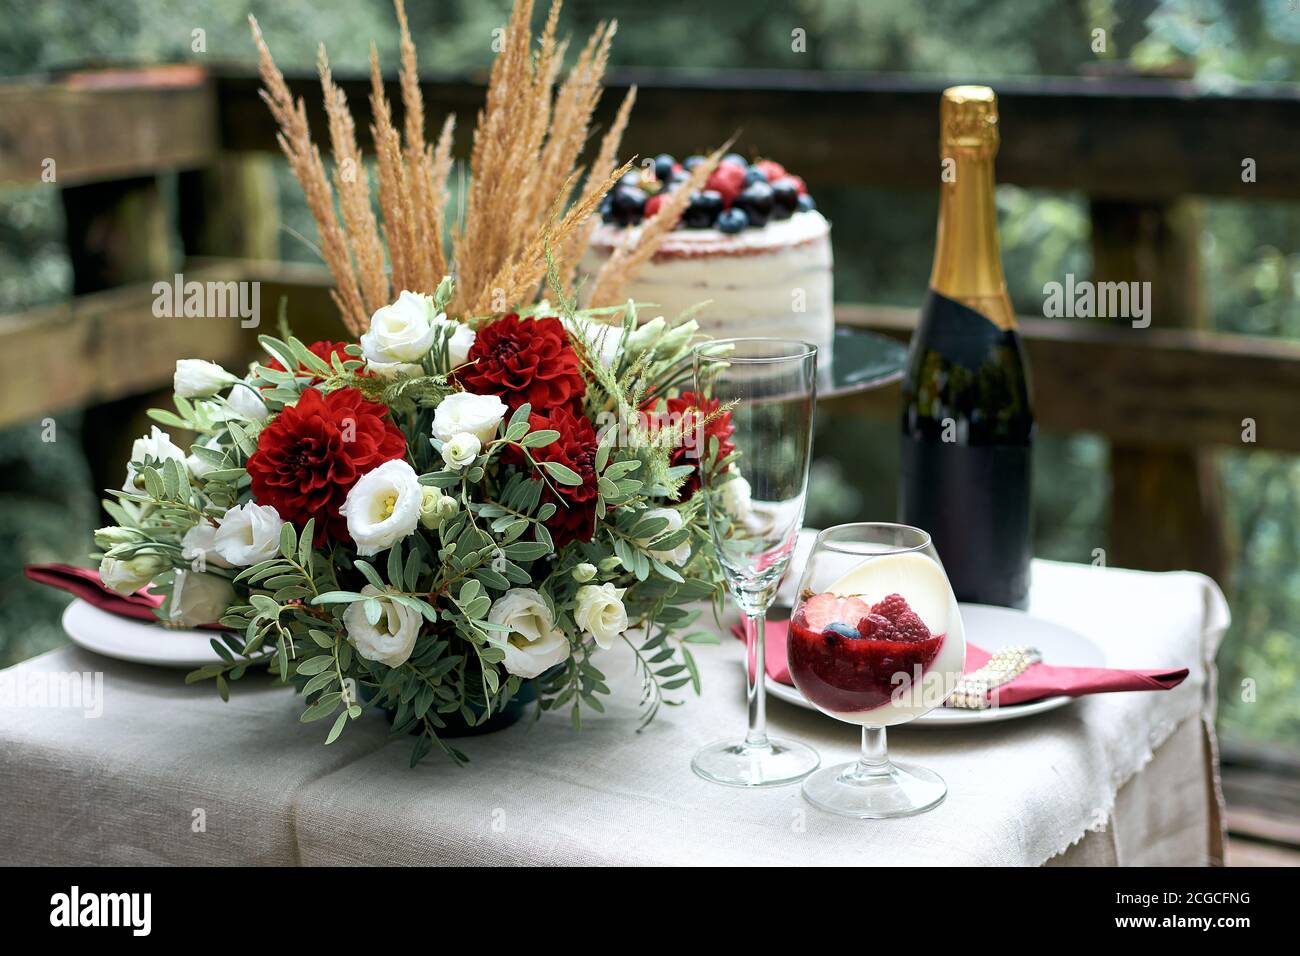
(1166, 387)
(103, 125)
(1162, 387)
(1113, 137)
(108, 345)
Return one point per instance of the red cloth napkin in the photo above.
(85, 584)
(1037, 681)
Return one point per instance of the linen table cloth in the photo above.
(170, 774)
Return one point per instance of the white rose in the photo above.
(459, 343)
(199, 598)
(461, 450)
(383, 506)
(200, 546)
(737, 498)
(400, 332)
(462, 412)
(157, 445)
(600, 612)
(248, 534)
(584, 572)
(534, 643)
(390, 640)
(196, 378)
(126, 576)
(246, 402)
(678, 555)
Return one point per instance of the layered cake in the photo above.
(752, 244)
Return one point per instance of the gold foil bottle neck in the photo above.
(968, 120)
(967, 258)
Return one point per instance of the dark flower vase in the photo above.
(456, 725)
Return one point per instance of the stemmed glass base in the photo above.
(874, 787)
(741, 764)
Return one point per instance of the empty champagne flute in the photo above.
(755, 498)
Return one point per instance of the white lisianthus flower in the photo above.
(248, 534)
(400, 332)
(244, 401)
(678, 336)
(391, 639)
(535, 643)
(199, 547)
(737, 498)
(157, 445)
(678, 555)
(462, 412)
(584, 572)
(459, 342)
(128, 575)
(600, 612)
(393, 370)
(430, 513)
(603, 340)
(199, 467)
(199, 598)
(383, 506)
(645, 335)
(112, 536)
(196, 378)
(461, 450)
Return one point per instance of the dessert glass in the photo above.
(876, 639)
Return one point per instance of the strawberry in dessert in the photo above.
(845, 654)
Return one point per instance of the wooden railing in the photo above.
(1140, 149)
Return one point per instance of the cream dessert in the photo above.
(751, 245)
(882, 646)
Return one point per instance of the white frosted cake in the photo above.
(751, 245)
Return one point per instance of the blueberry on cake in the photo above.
(751, 242)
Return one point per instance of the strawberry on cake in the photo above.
(751, 244)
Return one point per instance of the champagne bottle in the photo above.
(968, 423)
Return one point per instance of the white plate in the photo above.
(994, 628)
(138, 641)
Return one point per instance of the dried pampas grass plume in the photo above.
(520, 205)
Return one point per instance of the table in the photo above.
(170, 774)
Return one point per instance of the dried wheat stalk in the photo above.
(601, 168)
(353, 185)
(520, 202)
(294, 138)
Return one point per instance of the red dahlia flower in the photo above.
(525, 360)
(695, 441)
(312, 453)
(575, 505)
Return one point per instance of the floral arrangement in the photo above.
(485, 487)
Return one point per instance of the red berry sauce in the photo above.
(844, 653)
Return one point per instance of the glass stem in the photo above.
(874, 761)
(755, 667)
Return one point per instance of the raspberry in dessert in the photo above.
(751, 244)
(846, 655)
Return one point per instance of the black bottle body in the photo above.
(967, 435)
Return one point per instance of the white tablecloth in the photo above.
(170, 774)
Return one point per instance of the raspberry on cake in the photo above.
(751, 244)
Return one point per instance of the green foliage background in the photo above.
(1250, 252)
